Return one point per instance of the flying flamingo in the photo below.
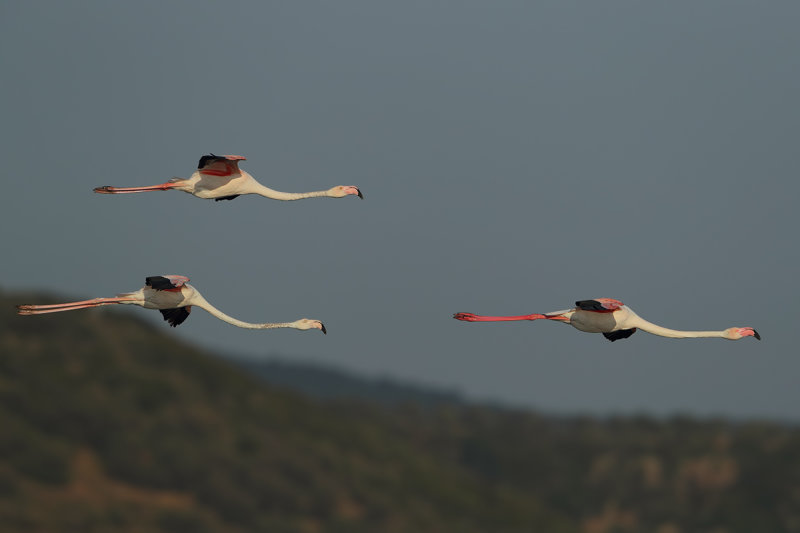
(614, 320)
(219, 177)
(174, 297)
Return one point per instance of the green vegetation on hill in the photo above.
(109, 424)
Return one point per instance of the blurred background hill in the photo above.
(111, 424)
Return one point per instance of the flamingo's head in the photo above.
(735, 334)
(340, 191)
(307, 323)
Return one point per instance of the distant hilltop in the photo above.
(328, 382)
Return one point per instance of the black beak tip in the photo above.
(756, 335)
(324, 331)
(360, 194)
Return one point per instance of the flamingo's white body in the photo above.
(174, 297)
(614, 320)
(220, 178)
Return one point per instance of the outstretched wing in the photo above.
(175, 317)
(599, 305)
(219, 165)
(621, 334)
(166, 283)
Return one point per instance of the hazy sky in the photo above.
(515, 157)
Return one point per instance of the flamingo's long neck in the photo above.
(201, 302)
(649, 327)
(278, 195)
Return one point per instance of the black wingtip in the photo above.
(589, 305)
(205, 159)
(176, 317)
(619, 334)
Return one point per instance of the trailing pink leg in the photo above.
(70, 306)
(470, 317)
(107, 189)
(28, 311)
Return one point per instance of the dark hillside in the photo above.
(326, 382)
(109, 424)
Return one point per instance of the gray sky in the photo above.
(515, 157)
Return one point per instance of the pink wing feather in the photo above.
(219, 165)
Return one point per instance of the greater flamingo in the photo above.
(614, 320)
(174, 297)
(219, 177)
